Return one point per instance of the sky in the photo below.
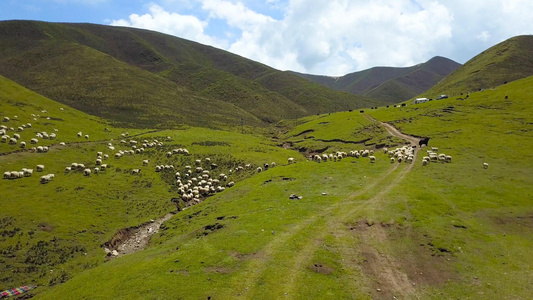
(322, 37)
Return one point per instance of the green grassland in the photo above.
(361, 230)
(50, 232)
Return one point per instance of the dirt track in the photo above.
(386, 271)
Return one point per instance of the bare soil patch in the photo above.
(132, 239)
(220, 270)
(399, 276)
(321, 268)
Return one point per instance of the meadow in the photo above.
(361, 230)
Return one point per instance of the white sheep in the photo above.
(47, 178)
(34, 141)
(28, 172)
(485, 165)
(135, 171)
(145, 162)
(372, 158)
(259, 169)
(22, 145)
(291, 160)
(86, 136)
(7, 175)
(87, 172)
(39, 168)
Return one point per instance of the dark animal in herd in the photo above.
(423, 141)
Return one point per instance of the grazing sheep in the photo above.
(96, 170)
(16, 175)
(392, 159)
(34, 141)
(87, 172)
(135, 171)
(158, 168)
(425, 162)
(291, 160)
(448, 159)
(103, 167)
(98, 162)
(5, 138)
(39, 168)
(259, 169)
(16, 136)
(28, 172)
(80, 134)
(7, 175)
(118, 155)
(68, 169)
(12, 141)
(372, 158)
(485, 165)
(230, 184)
(145, 162)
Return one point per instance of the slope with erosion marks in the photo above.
(51, 232)
(330, 133)
(160, 80)
(381, 230)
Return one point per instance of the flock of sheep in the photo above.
(193, 184)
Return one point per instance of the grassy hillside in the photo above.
(159, 79)
(360, 230)
(507, 61)
(51, 232)
(390, 85)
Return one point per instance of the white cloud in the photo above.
(334, 37)
(185, 26)
(483, 36)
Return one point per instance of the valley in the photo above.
(205, 198)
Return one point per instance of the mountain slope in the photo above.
(390, 85)
(507, 61)
(159, 79)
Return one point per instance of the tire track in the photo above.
(394, 277)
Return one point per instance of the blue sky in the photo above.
(326, 37)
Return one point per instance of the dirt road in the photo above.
(389, 279)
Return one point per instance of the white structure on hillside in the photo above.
(421, 100)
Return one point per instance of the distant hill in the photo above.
(390, 85)
(507, 61)
(142, 78)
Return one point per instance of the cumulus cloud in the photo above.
(185, 26)
(335, 37)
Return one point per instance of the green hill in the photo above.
(160, 80)
(359, 230)
(51, 232)
(390, 85)
(507, 61)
